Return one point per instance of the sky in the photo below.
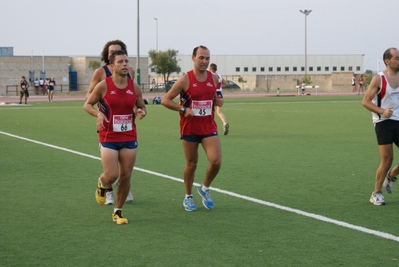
(226, 27)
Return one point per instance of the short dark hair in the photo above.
(200, 46)
(116, 53)
(213, 67)
(104, 53)
(387, 54)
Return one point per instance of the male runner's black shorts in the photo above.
(387, 132)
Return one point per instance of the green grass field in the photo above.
(293, 190)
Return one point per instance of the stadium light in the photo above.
(306, 13)
(138, 45)
(156, 33)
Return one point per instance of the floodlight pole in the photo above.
(138, 44)
(43, 61)
(156, 33)
(306, 13)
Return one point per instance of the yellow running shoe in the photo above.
(100, 194)
(118, 218)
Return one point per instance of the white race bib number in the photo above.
(123, 123)
(202, 108)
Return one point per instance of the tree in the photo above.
(242, 81)
(93, 64)
(165, 63)
(368, 75)
(307, 80)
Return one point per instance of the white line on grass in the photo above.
(288, 102)
(262, 202)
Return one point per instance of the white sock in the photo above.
(189, 195)
(204, 188)
(116, 209)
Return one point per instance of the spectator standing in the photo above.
(42, 85)
(23, 90)
(353, 84)
(361, 82)
(50, 89)
(152, 85)
(303, 87)
(36, 84)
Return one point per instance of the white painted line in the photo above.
(251, 199)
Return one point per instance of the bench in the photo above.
(15, 89)
(307, 87)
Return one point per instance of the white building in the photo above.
(239, 65)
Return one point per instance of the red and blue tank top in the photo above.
(117, 105)
(200, 98)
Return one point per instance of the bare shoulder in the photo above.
(374, 87)
(98, 92)
(98, 76)
(101, 86)
(375, 81)
(180, 86)
(99, 73)
(182, 83)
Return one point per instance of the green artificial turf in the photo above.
(316, 155)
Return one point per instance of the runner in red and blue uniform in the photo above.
(118, 96)
(99, 75)
(198, 98)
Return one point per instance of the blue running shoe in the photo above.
(206, 198)
(188, 203)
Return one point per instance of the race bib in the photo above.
(122, 123)
(201, 108)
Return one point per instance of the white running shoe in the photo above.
(387, 185)
(377, 199)
(129, 196)
(109, 198)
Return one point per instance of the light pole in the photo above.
(138, 45)
(156, 33)
(306, 13)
